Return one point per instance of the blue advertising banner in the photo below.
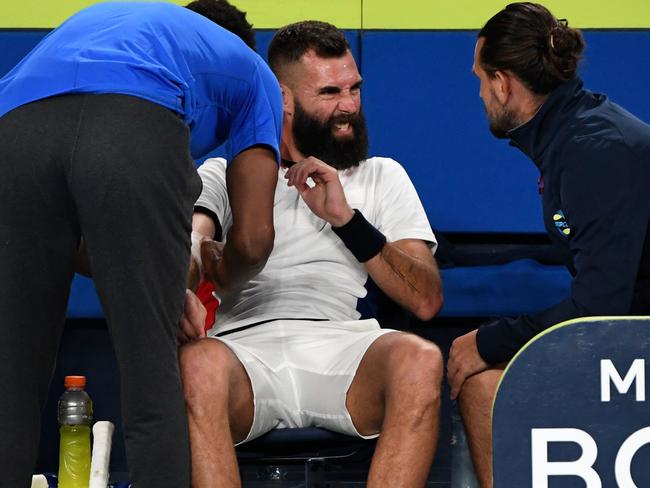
(572, 409)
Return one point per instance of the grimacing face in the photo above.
(327, 119)
(320, 138)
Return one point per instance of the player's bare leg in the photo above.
(220, 409)
(475, 405)
(397, 391)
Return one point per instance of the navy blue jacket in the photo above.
(594, 160)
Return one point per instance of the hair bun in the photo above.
(565, 41)
(526, 39)
(565, 46)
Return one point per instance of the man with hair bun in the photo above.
(594, 161)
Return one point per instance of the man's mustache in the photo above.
(344, 119)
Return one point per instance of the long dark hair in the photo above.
(527, 40)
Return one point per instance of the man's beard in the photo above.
(501, 121)
(316, 138)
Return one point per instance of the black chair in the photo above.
(311, 457)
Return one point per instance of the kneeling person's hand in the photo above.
(192, 323)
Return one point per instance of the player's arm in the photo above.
(405, 269)
(210, 213)
(203, 230)
(407, 272)
(251, 179)
(191, 324)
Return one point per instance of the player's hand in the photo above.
(193, 274)
(326, 197)
(464, 361)
(192, 323)
(211, 254)
(196, 270)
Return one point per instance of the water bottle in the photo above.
(75, 414)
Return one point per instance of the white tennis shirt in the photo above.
(310, 273)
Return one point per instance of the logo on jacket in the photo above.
(560, 223)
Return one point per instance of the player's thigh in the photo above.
(215, 379)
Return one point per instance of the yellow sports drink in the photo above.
(75, 414)
(74, 456)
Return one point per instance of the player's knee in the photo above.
(419, 364)
(421, 358)
(205, 367)
(428, 367)
(479, 388)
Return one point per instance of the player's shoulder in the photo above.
(382, 166)
(213, 166)
(379, 163)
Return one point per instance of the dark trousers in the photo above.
(117, 170)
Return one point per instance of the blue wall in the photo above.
(423, 109)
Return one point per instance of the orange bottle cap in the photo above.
(75, 381)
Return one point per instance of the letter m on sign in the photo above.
(609, 374)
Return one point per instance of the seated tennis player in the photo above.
(288, 348)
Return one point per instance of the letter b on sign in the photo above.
(582, 467)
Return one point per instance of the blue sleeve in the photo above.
(260, 120)
(603, 190)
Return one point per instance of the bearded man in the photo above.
(288, 348)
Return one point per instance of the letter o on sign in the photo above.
(625, 454)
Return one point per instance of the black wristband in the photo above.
(361, 237)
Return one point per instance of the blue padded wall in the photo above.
(423, 108)
(14, 44)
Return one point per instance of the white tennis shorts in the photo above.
(301, 370)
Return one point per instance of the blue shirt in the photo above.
(163, 53)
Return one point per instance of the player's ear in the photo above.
(288, 103)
